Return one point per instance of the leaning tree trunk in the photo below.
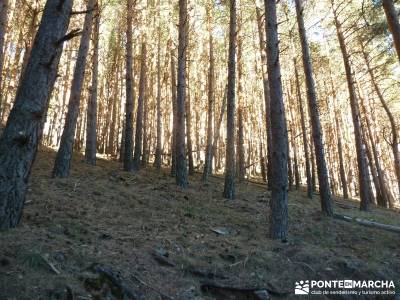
(24, 129)
(91, 126)
(128, 145)
(229, 187)
(279, 182)
(140, 109)
(355, 111)
(208, 159)
(392, 18)
(180, 151)
(64, 154)
(3, 30)
(395, 136)
(322, 170)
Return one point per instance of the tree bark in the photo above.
(140, 110)
(157, 159)
(128, 152)
(3, 29)
(188, 118)
(267, 97)
(278, 228)
(208, 158)
(174, 119)
(355, 111)
(64, 154)
(181, 176)
(229, 186)
(322, 170)
(91, 127)
(24, 129)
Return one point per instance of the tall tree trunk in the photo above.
(208, 158)
(188, 117)
(240, 160)
(128, 145)
(355, 111)
(180, 151)
(157, 159)
(229, 187)
(91, 127)
(174, 119)
(324, 189)
(279, 182)
(64, 154)
(24, 129)
(3, 29)
(341, 160)
(140, 111)
(241, 169)
(146, 138)
(267, 97)
(30, 36)
(395, 136)
(218, 129)
(392, 18)
(304, 135)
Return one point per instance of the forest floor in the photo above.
(105, 232)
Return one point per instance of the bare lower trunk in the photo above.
(208, 157)
(181, 167)
(304, 135)
(279, 182)
(24, 129)
(267, 99)
(188, 118)
(355, 111)
(217, 131)
(324, 189)
(341, 160)
(91, 132)
(241, 169)
(64, 154)
(174, 124)
(128, 145)
(140, 111)
(229, 186)
(157, 159)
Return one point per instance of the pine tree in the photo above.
(24, 129)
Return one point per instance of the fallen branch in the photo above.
(367, 223)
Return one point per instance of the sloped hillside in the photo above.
(106, 233)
